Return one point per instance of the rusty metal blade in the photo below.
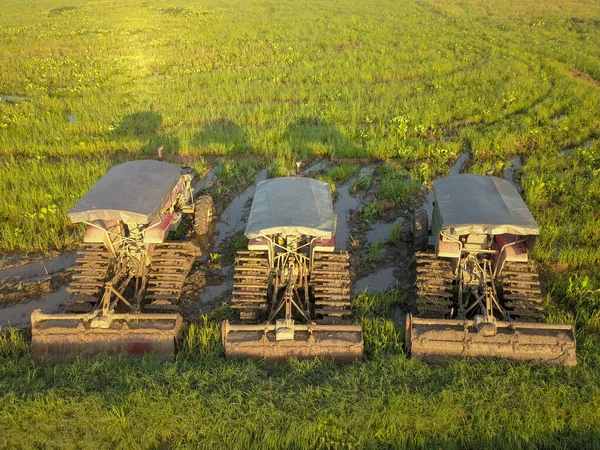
(442, 339)
(62, 335)
(342, 343)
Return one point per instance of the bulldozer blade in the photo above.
(436, 340)
(62, 335)
(342, 343)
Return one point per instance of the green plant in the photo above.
(375, 252)
(363, 183)
(371, 211)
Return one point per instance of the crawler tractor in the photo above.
(128, 277)
(477, 292)
(291, 288)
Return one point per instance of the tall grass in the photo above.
(202, 338)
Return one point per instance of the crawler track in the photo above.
(521, 292)
(330, 283)
(91, 271)
(435, 296)
(251, 276)
(171, 263)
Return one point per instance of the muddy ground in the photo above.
(377, 262)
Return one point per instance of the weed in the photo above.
(375, 252)
(377, 305)
(337, 174)
(397, 185)
(363, 183)
(371, 211)
(202, 338)
(236, 175)
(381, 336)
(395, 233)
(12, 343)
(241, 243)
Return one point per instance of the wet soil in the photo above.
(32, 285)
(511, 172)
(18, 315)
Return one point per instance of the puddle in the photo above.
(318, 167)
(230, 221)
(455, 169)
(379, 232)
(367, 171)
(376, 282)
(205, 181)
(342, 206)
(19, 315)
(40, 268)
(587, 144)
(212, 295)
(71, 116)
(509, 172)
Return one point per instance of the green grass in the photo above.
(398, 185)
(202, 400)
(375, 252)
(338, 173)
(265, 84)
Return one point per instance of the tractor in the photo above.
(128, 277)
(478, 294)
(291, 288)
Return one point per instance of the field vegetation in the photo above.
(252, 85)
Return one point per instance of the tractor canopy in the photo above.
(479, 204)
(292, 205)
(134, 191)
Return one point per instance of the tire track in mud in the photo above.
(38, 284)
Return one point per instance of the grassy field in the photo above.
(85, 85)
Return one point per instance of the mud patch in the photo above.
(460, 162)
(344, 206)
(40, 268)
(376, 282)
(511, 171)
(205, 181)
(379, 232)
(71, 116)
(213, 296)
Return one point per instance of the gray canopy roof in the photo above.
(480, 204)
(291, 205)
(132, 192)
